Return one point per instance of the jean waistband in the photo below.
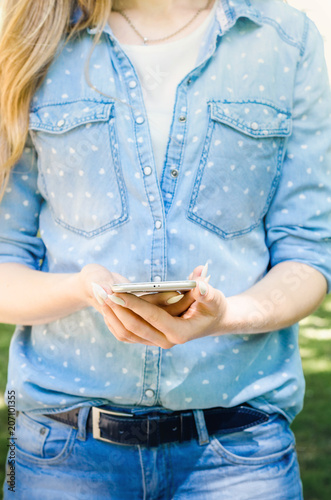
(157, 427)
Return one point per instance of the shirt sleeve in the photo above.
(19, 213)
(298, 223)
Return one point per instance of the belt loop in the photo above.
(153, 431)
(201, 427)
(82, 421)
(181, 427)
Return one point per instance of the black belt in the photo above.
(157, 428)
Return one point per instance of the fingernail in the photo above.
(204, 270)
(175, 299)
(207, 279)
(99, 293)
(203, 288)
(117, 300)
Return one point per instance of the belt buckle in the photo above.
(96, 412)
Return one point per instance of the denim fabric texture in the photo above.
(246, 185)
(55, 461)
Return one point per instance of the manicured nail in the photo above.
(175, 299)
(203, 288)
(117, 300)
(204, 271)
(207, 279)
(99, 293)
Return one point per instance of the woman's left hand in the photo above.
(134, 318)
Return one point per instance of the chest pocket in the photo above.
(240, 166)
(80, 172)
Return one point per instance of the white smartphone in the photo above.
(159, 286)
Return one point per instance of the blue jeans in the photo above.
(55, 461)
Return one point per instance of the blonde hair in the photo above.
(30, 35)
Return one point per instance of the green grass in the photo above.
(312, 426)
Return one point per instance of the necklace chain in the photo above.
(147, 40)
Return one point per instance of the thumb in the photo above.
(213, 299)
(199, 271)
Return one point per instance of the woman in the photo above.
(143, 139)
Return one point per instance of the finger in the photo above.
(99, 293)
(122, 334)
(163, 298)
(156, 317)
(129, 304)
(208, 299)
(112, 330)
(204, 271)
(101, 289)
(180, 307)
(134, 322)
(174, 304)
(199, 271)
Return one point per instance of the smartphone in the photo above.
(160, 286)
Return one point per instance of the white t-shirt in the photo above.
(160, 68)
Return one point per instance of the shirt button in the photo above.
(140, 120)
(158, 224)
(132, 84)
(60, 123)
(149, 393)
(174, 173)
(42, 430)
(255, 126)
(182, 119)
(147, 170)
(189, 81)
(157, 278)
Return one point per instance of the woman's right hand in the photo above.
(96, 281)
(102, 277)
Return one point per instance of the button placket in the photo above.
(176, 148)
(155, 205)
(151, 375)
(146, 160)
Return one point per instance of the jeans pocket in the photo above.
(259, 445)
(240, 166)
(43, 441)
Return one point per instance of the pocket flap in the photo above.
(59, 118)
(255, 118)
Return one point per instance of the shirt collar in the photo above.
(227, 14)
(229, 11)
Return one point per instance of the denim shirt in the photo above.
(246, 185)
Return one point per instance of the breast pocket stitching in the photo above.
(79, 165)
(240, 166)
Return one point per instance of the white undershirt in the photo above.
(160, 68)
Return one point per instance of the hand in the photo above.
(96, 281)
(103, 278)
(174, 303)
(135, 320)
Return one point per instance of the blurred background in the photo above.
(320, 12)
(312, 427)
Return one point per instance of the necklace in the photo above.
(148, 40)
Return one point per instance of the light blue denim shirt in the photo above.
(246, 184)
